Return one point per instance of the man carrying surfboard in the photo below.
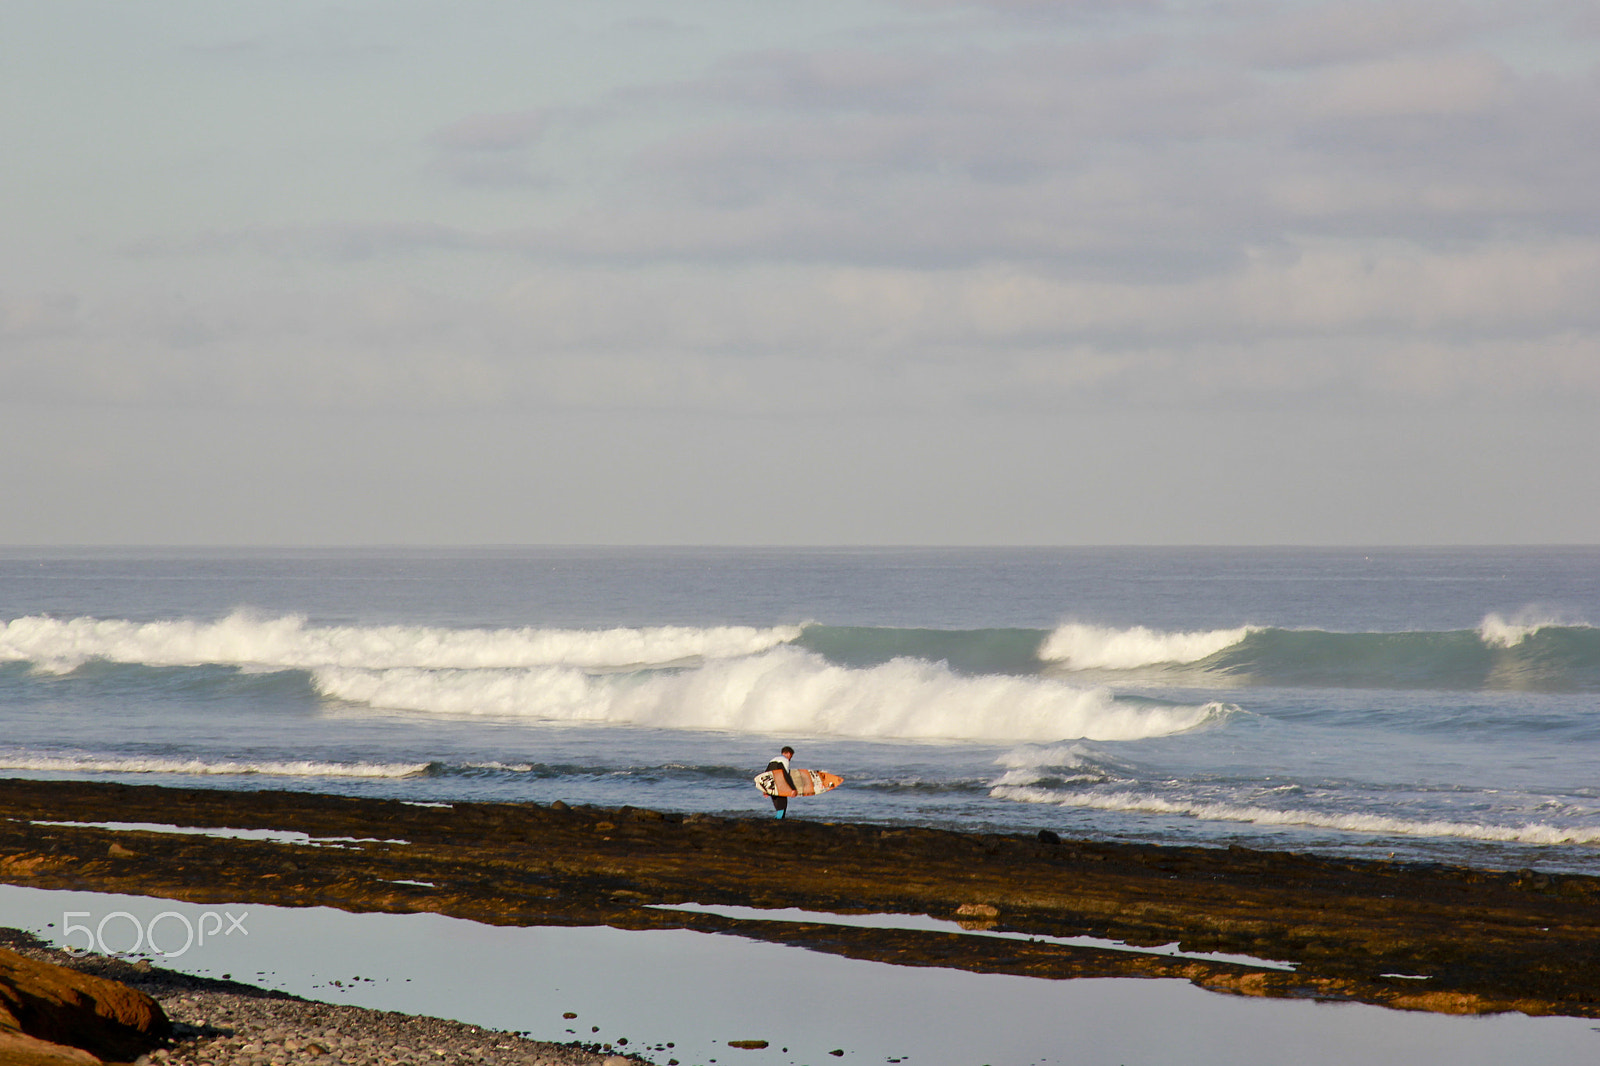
(780, 765)
(780, 781)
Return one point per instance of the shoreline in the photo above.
(1466, 941)
(225, 1022)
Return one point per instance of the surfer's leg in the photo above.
(780, 804)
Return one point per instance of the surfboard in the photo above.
(806, 782)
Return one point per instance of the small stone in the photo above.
(117, 851)
(837, 1052)
(748, 1045)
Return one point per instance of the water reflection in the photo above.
(701, 990)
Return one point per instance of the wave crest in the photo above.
(1533, 833)
(243, 639)
(135, 764)
(786, 691)
(1086, 647)
(1496, 631)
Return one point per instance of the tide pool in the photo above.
(700, 991)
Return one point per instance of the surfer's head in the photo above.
(787, 752)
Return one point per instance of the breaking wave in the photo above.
(1497, 631)
(1530, 651)
(1085, 647)
(786, 690)
(243, 639)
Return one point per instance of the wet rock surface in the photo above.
(1412, 936)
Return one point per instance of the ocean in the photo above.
(1434, 705)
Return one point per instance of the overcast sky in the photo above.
(738, 271)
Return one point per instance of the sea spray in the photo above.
(1496, 631)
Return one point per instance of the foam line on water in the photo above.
(1533, 833)
(784, 691)
(290, 642)
(202, 767)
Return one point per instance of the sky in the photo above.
(840, 272)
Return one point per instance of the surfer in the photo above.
(780, 765)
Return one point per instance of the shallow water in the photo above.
(940, 925)
(701, 990)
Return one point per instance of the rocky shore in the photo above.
(225, 1023)
(1409, 936)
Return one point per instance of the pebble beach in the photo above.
(227, 1023)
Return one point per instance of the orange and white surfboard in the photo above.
(806, 782)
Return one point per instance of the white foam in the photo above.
(1086, 647)
(1534, 833)
(152, 765)
(1031, 764)
(288, 642)
(787, 691)
(1031, 756)
(1496, 631)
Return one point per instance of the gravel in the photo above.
(227, 1023)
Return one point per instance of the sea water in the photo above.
(1429, 704)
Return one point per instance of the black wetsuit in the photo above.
(777, 766)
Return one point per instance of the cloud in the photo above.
(494, 133)
(1331, 204)
(25, 316)
(1354, 31)
(1319, 324)
(1447, 85)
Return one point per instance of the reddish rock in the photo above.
(52, 1014)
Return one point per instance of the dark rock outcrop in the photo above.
(52, 1014)
(1405, 935)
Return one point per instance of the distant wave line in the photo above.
(1535, 833)
(204, 767)
(289, 641)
